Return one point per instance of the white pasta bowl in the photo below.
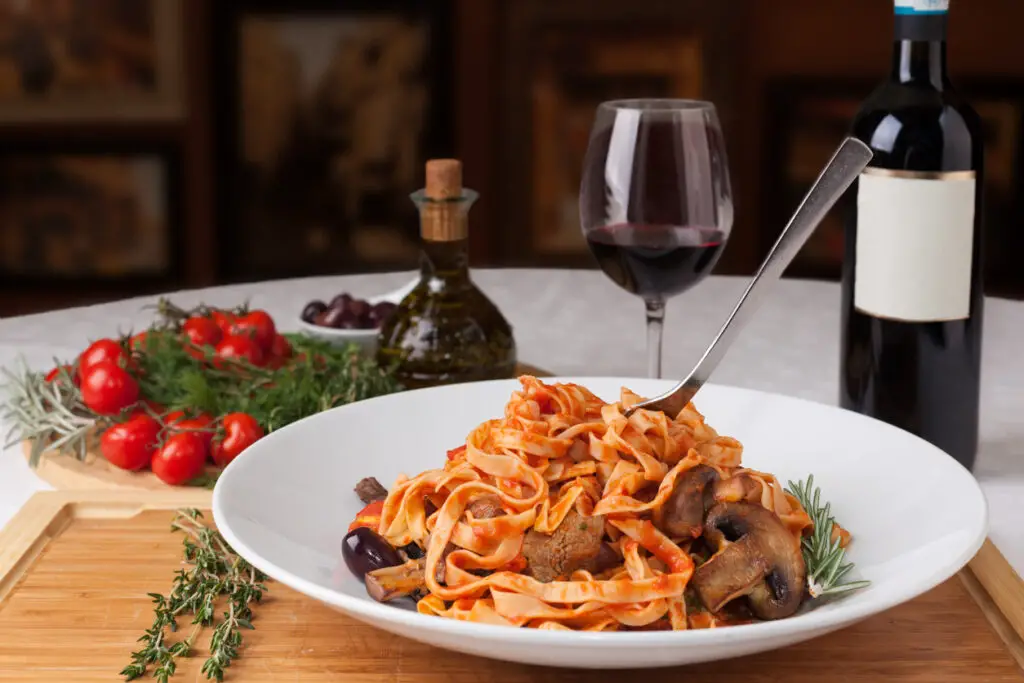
(916, 516)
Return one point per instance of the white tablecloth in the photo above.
(579, 323)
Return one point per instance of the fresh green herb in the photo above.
(822, 555)
(49, 414)
(321, 376)
(216, 573)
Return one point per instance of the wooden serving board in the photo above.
(76, 567)
(64, 472)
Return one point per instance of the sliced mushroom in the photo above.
(756, 557)
(391, 583)
(683, 513)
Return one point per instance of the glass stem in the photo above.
(655, 320)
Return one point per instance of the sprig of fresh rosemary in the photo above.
(823, 555)
(49, 414)
(216, 573)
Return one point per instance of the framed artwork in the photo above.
(807, 119)
(88, 60)
(332, 114)
(87, 215)
(562, 60)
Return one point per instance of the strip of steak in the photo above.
(369, 490)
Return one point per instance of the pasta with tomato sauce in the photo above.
(566, 514)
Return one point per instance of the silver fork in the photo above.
(846, 164)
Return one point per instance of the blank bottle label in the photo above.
(915, 236)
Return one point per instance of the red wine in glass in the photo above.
(656, 261)
(656, 200)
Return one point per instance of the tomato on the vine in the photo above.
(223, 320)
(202, 331)
(257, 325)
(107, 388)
(241, 430)
(55, 373)
(281, 348)
(180, 459)
(138, 341)
(199, 425)
(130, 445)
(240, 348)
(99, 351)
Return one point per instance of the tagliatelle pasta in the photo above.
(565, 514)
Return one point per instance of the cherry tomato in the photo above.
(280, 348)
(174, 417)
(202, 331)
(240, 348)
(131, 444)
(180, 459)
(55, 374)
(257, 325)
(200, 426)
(138, 341)
(107, 388)
(241, 430)
(224, 320)
(99, 351)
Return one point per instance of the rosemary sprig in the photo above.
(822, 555)
(49, 414)
(215, 573)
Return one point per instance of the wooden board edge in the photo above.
(1004, 587)
(47, 513)
(994, 615)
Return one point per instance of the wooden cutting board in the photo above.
(75, 568)
(64, 472)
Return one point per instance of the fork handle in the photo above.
(846, 164)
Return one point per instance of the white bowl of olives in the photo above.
(347, 319)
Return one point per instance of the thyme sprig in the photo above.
(215, 574)
(823, 555)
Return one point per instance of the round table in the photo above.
(576, 322)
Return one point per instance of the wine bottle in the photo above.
(446, 330)
(912, 295)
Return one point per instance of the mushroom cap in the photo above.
(756, 557)
(682, 514)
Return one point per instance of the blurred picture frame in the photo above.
(807, 118)
(330, 112)
(86, 61)
(559, 62)
(89, 214)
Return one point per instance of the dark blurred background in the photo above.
(148, 145)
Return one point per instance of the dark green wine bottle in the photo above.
(446, 331)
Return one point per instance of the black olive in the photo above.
(341, 301)
(364, 550)
(348, 320)
(331, 317)
(413, 551)
(359, 308)
(312, 310)
(381, 312)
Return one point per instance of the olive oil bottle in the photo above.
(446, 331)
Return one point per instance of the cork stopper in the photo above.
(444, 179)
(443, 206)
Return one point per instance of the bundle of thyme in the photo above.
(823, 555)
(215, 575)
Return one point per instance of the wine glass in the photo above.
(655, 200)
